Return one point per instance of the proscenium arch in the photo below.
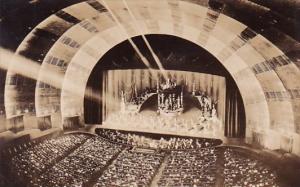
(196, 60)
(257, 121)
(170, 16)
(260, 117)
(77, 102)
(157, 8)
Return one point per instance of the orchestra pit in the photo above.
(149, 93)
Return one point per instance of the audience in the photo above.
(78, 167)
(131, 169)
(126, 159)
(190, 168)
(33, 161)
(243, 171)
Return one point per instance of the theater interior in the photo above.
(149, 93)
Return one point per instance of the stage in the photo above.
(186, 124)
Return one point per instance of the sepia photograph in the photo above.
(149, 93)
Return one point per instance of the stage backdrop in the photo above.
(137, 81)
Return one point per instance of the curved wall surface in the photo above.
(249, 38)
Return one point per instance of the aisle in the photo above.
(160, 170)
(97, 174)
(220, 168)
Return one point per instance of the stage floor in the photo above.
(149, 121)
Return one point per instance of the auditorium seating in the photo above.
(79, 159)
(243, 171)
(79, 166)
(190, 168)
(39, 156)
(131, 169)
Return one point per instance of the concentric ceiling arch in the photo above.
(264, 71)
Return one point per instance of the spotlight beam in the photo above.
(142, 57)
(28, 68)
(155, 57)
(25, 67)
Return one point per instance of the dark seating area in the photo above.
(30, 159)
(131, 169)
(190, 168)
(80, 159)
(243, 171)
(78, 167)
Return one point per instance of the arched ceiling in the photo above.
(252, 39)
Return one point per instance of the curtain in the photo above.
(235, 114)
(92, 110)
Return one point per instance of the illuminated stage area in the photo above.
(148, 121)
(185, 104)
(193, 96)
